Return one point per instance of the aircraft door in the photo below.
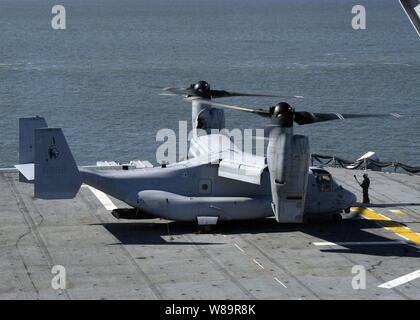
(324, 185)
(312, 198)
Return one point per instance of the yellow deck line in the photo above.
(389, 224)
(396, 212)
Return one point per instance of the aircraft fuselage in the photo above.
(189, 189)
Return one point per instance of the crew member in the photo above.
(365, 187)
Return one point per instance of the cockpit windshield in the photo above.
(323, 180)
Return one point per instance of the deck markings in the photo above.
(103, 198)
(399, 212)
(275, 278)
(33, 228)
(401, 280)
(221, 268)
(259, 264)
(256, 262)
(239, 248)
(389, 224)
(358, 243)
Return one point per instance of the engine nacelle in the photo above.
(206, 118)
(288, 159)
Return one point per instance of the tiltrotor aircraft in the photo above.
(210, 185)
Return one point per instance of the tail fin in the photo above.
(56, 172)
(27, 128)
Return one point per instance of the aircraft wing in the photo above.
(238, 165)
(233, 162)
(242, 171)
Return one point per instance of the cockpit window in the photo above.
(323, 180)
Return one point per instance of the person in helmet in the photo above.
(365, 187)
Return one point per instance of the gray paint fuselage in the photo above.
(186, 190)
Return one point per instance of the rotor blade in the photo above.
(302, 118)
(224, 94)
(260, 112)
(189, 92)
(185, 92)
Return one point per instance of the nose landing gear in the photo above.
(337, 217)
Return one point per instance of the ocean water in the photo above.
(95, 78)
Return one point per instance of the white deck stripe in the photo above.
(280, 282)
(103, 198)
(239, 247)
(259, 264)
(401, 280)
(357, 243)
(397, 212)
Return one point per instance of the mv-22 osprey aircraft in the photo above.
(210, 185)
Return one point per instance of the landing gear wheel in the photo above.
(205, 228)
(208, 228)
(337, 217)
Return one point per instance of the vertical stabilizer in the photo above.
(27, 128)
(56, 172)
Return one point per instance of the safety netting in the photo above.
(361, 163)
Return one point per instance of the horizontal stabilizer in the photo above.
(27, 170)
